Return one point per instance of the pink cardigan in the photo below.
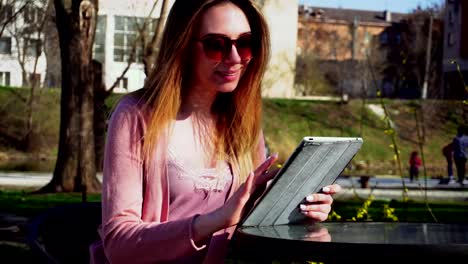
(135, 199)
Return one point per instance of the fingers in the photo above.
(322, 236)
(332, 189)
(318, 234)
(318, 216)
(248, 185)
(318, 212)
(319, 198)
(321, 203)
(262, 174)
(326, 208)
(263, 178)
(266, 164)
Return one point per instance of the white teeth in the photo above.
(228, 74)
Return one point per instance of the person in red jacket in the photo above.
(414, 162)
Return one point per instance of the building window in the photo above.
(4, 78)
(123, 83)
(384, 38)
(451, 39)
(99, 46)
(398, 38)
(31, 14)
(367, 38)
(5, 45)
(33, 47)
(6, 11)
(126, 33)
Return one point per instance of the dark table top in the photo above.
(351, 242)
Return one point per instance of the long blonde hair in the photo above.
(238, 113)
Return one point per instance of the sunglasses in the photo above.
(217, 47)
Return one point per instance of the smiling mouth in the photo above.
(228, 76)
(229, 73)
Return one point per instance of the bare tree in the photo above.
(151, 49)
(143, 49)
(8, 13)
(25, 25)
(407, 53)
(75, 169)
(29, 38)
(82, 126)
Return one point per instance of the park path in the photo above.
(382, 187)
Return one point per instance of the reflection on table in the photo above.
(368, 242)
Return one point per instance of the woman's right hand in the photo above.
(231, 212)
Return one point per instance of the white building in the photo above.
(117, 28)
(116, 31)
(20, 45)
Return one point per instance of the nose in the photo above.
(233, 57)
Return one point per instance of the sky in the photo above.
(399, 6)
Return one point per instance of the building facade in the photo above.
(455, 63)
(22, 57)
(340, 34)
(338, 43)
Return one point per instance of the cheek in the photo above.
(202, 68)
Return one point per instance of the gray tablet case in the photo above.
(316, 162)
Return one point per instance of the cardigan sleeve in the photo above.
(126, 237)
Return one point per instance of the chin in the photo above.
(226, 88)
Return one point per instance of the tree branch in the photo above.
(13, 17)
(142, 37)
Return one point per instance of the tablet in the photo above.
(315, 163)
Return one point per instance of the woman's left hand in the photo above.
(318, 205)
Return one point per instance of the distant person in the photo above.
(460, 143)
(415, 163)
(447, 151)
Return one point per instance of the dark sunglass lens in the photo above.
(214, 47)
(244, 47)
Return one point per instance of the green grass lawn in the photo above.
(26, 204)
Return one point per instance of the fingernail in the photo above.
(326, 189)
(303, 207)
(310, 198)
(275, 155)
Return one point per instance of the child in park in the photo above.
(414, 162)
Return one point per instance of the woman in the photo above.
(185, 153)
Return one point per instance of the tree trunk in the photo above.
(151, 51)
(30, 142)
(75, 169)
(100, 114)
